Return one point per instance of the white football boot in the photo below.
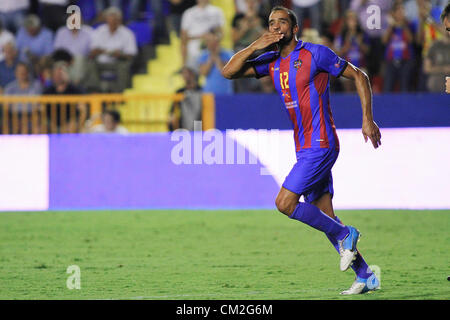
(361, 285)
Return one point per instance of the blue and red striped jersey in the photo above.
(303, 83)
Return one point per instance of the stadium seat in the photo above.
(88, 10)
(142, 31)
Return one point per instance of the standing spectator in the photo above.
(34, 42)
(5, 37)
(211, 63)
(352, 45)
(112, 51)
(437, 61)
(78, 43)
(177, 8)
(12, 13)
(428, 31)
(247, 27)
(184, 113)
(399, 54)
(367, 22)
(8, 65)
(53, 13)
(312, 7)
(61, 85)
(196, 22)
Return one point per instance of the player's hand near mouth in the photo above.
(235, 68)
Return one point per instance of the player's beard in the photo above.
(286, 39)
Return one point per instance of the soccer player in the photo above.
(300, 72)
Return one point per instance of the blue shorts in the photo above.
(311, 175)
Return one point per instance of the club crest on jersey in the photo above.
(297, 64)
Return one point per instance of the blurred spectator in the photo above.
(102, 5)
(61, 85)
(310, 7)
(12, 13)
(5, 37)
(399, 55)
(211, 62)
(428, 31)
(24, 84)
(160, 34)
(351, 44)
(184, 113)
(53, 13)
(412, 8)
(247, 27)
(8, 65)
(78, 43)
(437, 61)
(445, 18)
(112, 51)
(177, 8)
(110, 123)
(196, 22)
(367, 20)
(34, 41)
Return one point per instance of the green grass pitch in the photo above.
(246, 254)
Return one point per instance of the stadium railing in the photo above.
(47, 114)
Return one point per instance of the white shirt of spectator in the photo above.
(13, 5)
(197, 21)
(5, 37)
(304, 3)
(122, 39)
(56, 2)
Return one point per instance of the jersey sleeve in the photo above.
(329, 61)
(262, 62)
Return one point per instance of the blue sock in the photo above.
(360, 266)
(312, 216)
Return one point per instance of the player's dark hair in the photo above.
(446, 12)
(114, 114)
(291, 14)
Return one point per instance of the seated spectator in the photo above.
(184, 113)
(12, 13)
(24, 85)
(34, 42)
(247, 27)
(110, 123)
(77, 42)
(61, 85)
(196, 22)
(8, 65)
(53, 13)
(399, 56)
(211, 62)
(113, 48)
(437, 61)
(352, 45)
(5, 37)
(312, 7)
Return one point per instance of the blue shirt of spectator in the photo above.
(7, 73)
(39, 45)
(215, 82)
